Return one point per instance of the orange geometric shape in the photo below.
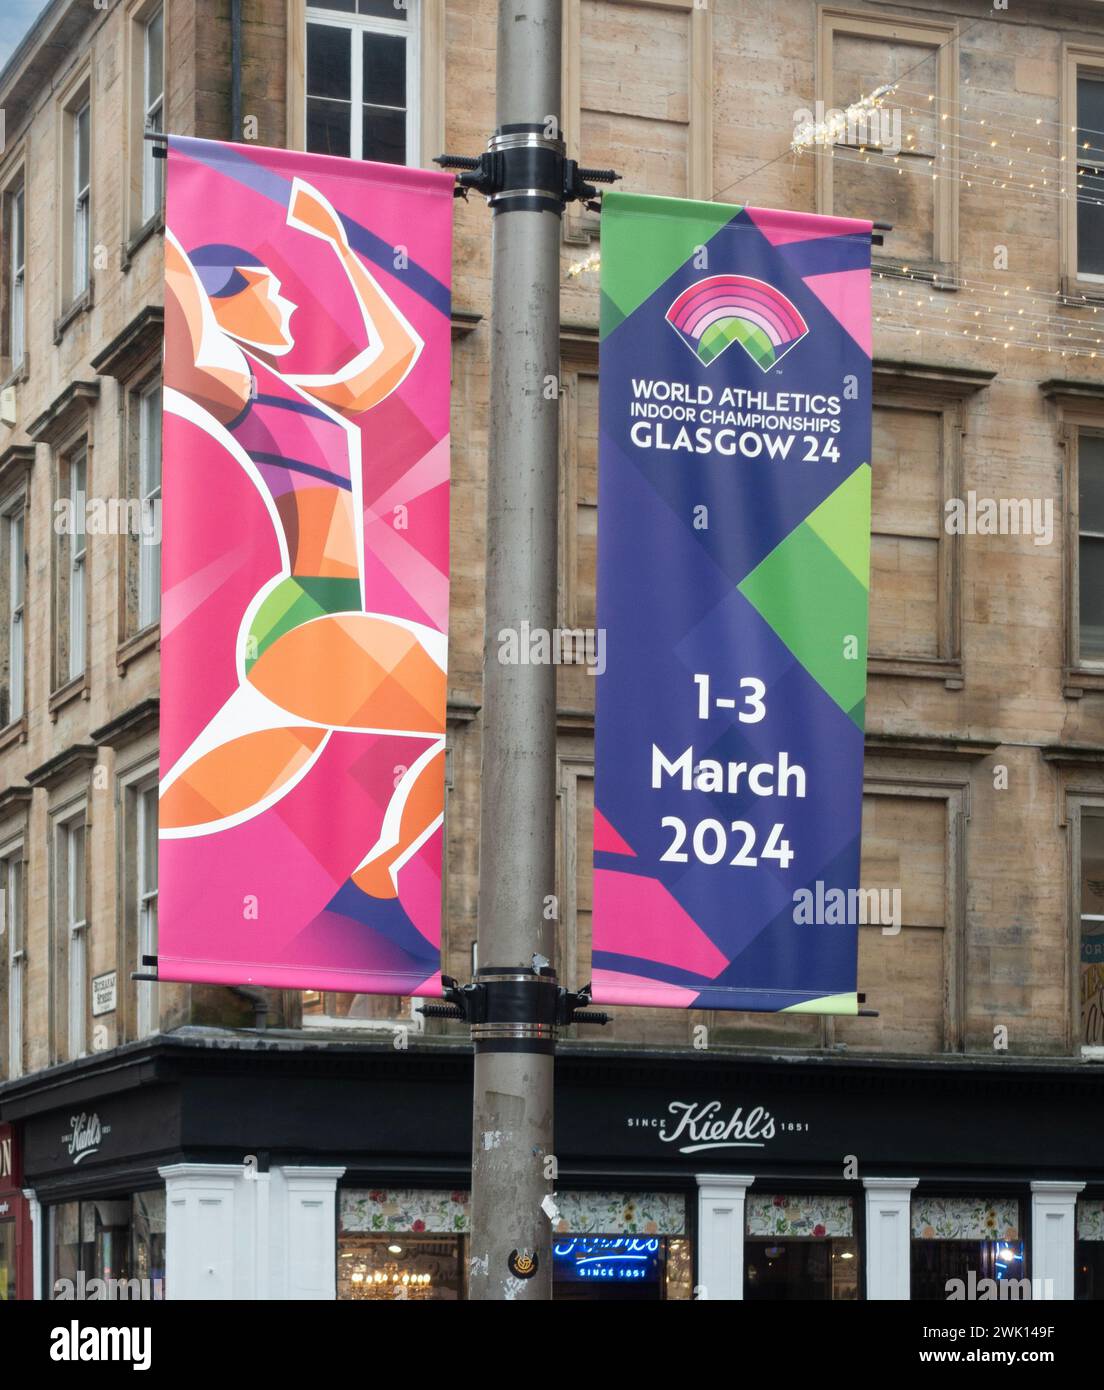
(354, 670)
(425, 801)
(236, 776)
(321, 536)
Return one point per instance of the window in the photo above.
(1090, 545)
(1091, 953)
(664, 84)
(15, 566)
(17, 271)
(70, 557)
(153, 98)
(116, 1238)
(908, 538)
(1089, 1251)
(70, 978)
(800, 1248)
(81, 166)
(967, 1239)
(12, 955)
(1090, 175)
(916, 189)
(7, 1261)
(146, 887)
(910, 969)
(361, 81)
(149, 494)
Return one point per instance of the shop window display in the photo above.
(800, 1247)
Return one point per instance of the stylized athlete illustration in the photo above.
(315, 657)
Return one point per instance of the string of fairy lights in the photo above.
(980, 143)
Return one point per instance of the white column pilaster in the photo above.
(1053, 1238)
(888, 1237)
(34, 1207)
(209, 1231)
(721, 1234)
(309, 1229)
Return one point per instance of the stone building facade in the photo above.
(985, 711)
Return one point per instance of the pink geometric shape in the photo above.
(781, 228)
(616, 987)
(640, 918)
(846, 294)
(606, 839)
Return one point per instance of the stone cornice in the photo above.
(128, 350)
(65, 413)
(131, 724)
(70, 761)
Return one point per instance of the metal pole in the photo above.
(512, 1113)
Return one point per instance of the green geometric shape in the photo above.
(827, 1004)
(857, 714)
(296, 600)
(332, 595)
(814, 603)
(723, 333)
(842, 522)
(638, 256)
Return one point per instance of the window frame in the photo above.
(77, 565)
(147, 1010)
(148, 576)
(15, 508)
(357, 25)
(14, 952)
(580, 226)
(1078, 432)
(941, 38)
(1079, 800)
(152, 193)
(80, 194)
(16, 198)
(1078, 411)
(71, 932)
(1076, 60)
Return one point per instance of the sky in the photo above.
(16, 17)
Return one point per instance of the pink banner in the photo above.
(304, 570)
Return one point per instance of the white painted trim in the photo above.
(721, 1199)
(1054, 1237)
(888, 1237)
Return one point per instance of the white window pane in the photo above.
(149, 841)
(76, 874)
(82, 124)
(76, 621)
(155, 39)
(16, 668)
(150, 443)
(16, 539)
(17, 230)
(80, 248)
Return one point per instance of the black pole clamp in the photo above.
(524, 169)
(513, 1009)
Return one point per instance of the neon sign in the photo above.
(623, 1258)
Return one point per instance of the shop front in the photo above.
(209, 1165)
(15, 1221)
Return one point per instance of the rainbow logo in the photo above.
(716, 312)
